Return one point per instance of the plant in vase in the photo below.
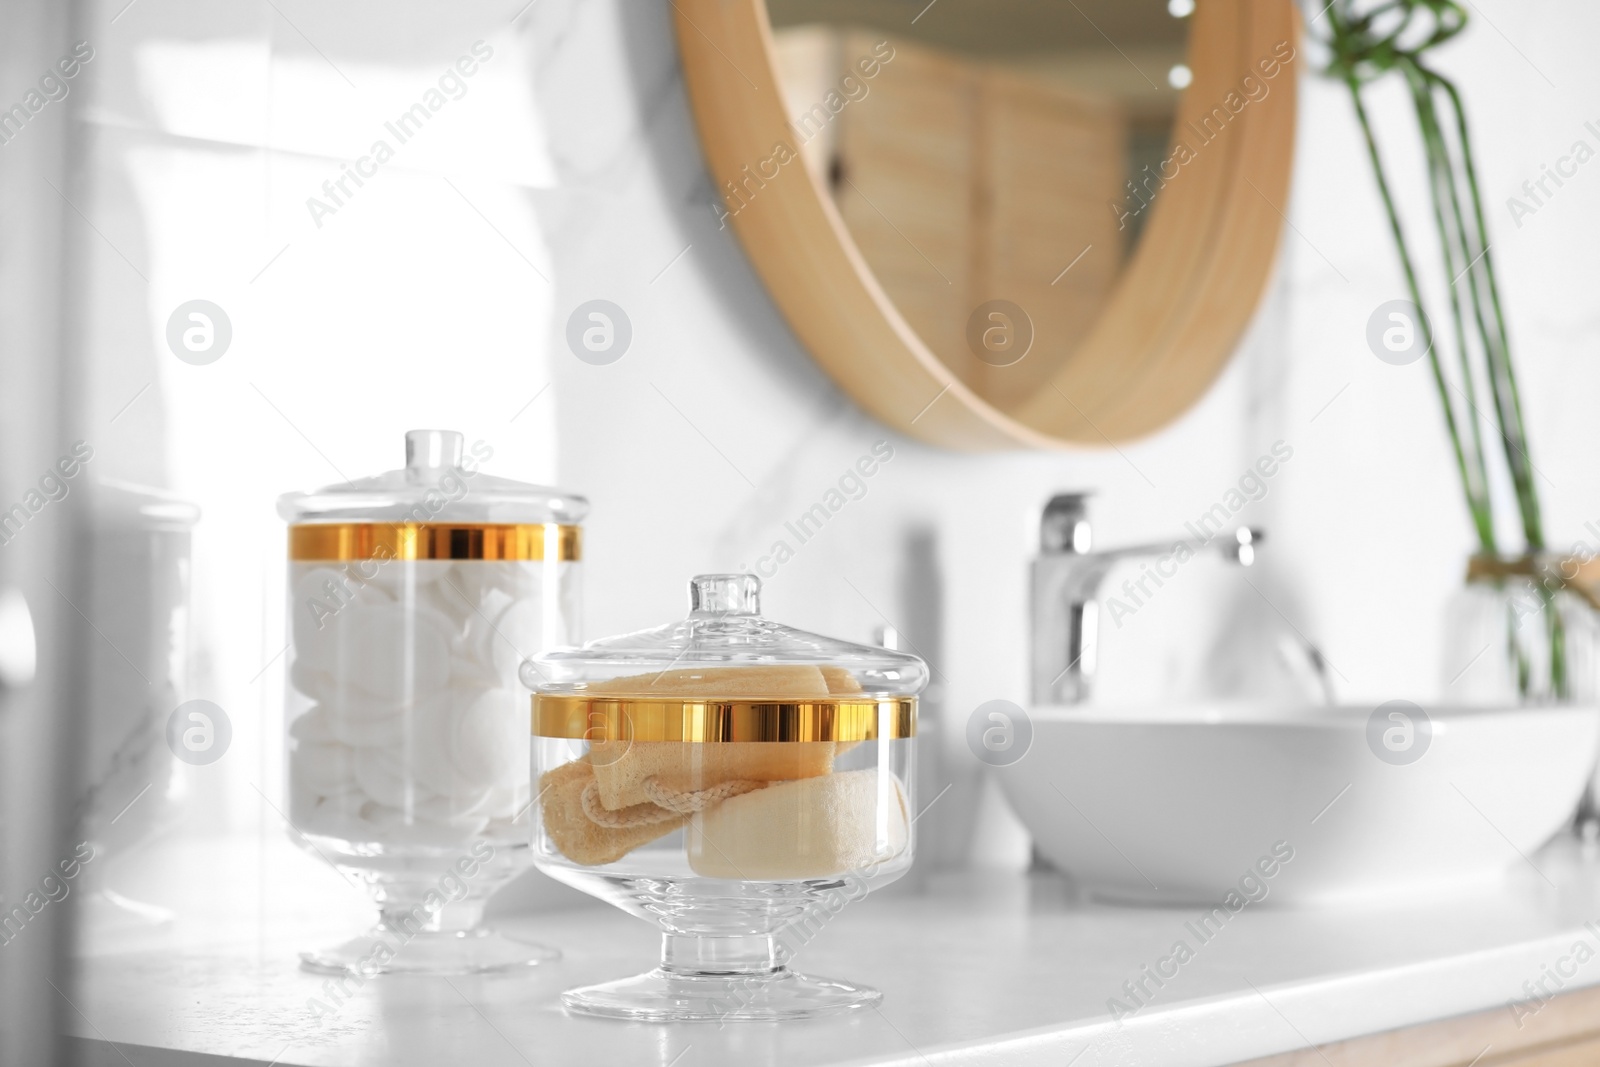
(1527, 603)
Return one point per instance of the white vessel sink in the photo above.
(1187, 804)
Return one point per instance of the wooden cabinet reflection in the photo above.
(962, 182)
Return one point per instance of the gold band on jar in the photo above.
(434, 540)
(619, 719)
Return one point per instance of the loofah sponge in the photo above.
(578, 837)
(811, 828)
(621, 767)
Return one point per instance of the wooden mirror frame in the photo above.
(1171, 321)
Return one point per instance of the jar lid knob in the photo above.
(433, 450)
(725, 594)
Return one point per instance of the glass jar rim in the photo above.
(596, 718)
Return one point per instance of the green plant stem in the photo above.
(1550, 611)
(1473, 481)
(1367, 42)
(1497, 343)
(1452, 242)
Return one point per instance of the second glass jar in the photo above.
(733, 781)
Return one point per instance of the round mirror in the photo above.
(1006, 223)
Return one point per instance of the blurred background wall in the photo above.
(437, 293)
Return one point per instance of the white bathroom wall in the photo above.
(420, 301)
(569, 172)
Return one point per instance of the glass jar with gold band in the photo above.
(413, 598)
(733, 781)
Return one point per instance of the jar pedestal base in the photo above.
(387, 949)
(660, 996)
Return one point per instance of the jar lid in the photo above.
(724, 673)
(438, 484)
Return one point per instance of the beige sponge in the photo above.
(621, 767)
(579, 837)
(811, 828)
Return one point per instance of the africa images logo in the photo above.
(1399, 732)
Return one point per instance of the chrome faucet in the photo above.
(1066, 586)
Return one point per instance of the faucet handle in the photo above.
(1064, 526)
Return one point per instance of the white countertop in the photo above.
(977, 968)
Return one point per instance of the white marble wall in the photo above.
(571, 172)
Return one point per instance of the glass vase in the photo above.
(1522, 630)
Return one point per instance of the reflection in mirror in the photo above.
(987, 157)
